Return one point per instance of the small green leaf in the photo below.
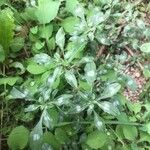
(17, 44)
(2, 54)
(109, 108)
(98, 121)
(50, 139)
(47, 10)
(17, 94)
(71, 79)
(96, 139)
(50, 117)
(60, 38)
(71, 5)
(9, 80)
(18, 138)
(145, 48)
(69, 24)
(130, 132)
(31, 108)
(111, 90)
(51, 43)
(90, 72)
(61, 135)
(63, 99)
(46, 31)
(36, 69)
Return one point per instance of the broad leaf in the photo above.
(96, 139)
(18, 138)
(47, 10)
(6, 29)
(71, 79)
(60, 38)
(145, 48)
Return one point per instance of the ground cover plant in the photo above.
(74, 74)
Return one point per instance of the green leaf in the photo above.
(2, 2)
(51, 43)
(17, 94)
(36, 69)
(74, 51)
(6, 29)
(61, 135)
(47, 10)
(71, 79)
(2, 54)
(130, 132)
(46, 31)
(60, 38)
(69, 24)
(71, 5)
(50, 117)
(90, 72)
(31, 108)
(36, 136)
(50, 139)
(18, 138)
(111, 90)
(63, 99)
(9, 80)
(109, 108)
(98, 121)
(145, 48)
(96, 139)
(17, 44)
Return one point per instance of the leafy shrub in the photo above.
(70, 92)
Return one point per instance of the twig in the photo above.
(100, 52)
(132, 54)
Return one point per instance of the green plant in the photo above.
(69, 94)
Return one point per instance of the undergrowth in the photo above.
(62, 74)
